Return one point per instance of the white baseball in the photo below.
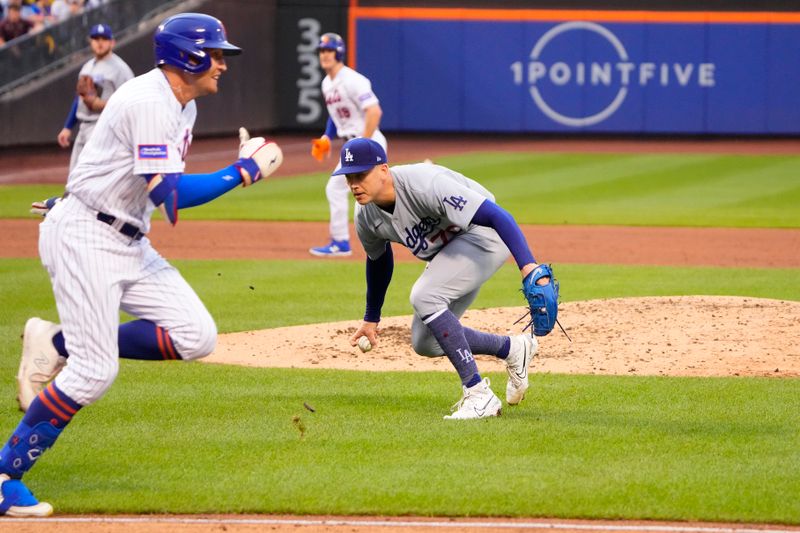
(364, 344)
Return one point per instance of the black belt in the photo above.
(129, 230)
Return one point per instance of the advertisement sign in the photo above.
(523, 71)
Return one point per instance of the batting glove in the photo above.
(320, 148)
(244, 136)
(44, 207)
(258, 159)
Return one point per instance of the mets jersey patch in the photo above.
(152, 151)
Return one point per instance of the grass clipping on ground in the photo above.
(676, 336)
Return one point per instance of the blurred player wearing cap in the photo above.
(107, 71)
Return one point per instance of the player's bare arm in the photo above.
(372, 119)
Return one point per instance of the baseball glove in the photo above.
(542, 299)
(86, 86)
(320, 148)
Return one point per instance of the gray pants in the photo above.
(452, 280)
(84, 131)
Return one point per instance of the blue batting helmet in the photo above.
(182, 41)
(332, 41)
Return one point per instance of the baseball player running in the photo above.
(453, 223)
(94, 246)
(98, 79)
(353, 111)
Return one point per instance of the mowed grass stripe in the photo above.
(246, 295)
(619, 189)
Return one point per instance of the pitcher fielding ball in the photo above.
(363, 344)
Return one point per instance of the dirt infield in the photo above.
(709, 338)
(356, 524)
(675, 336)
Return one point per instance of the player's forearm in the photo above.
(372, 118)
(72, 117)
(330, 129)
(180, 191)
(198, 189)
(491, 215)
(379, 274)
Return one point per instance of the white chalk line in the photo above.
(390, 523)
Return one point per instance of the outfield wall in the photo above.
(525, 70)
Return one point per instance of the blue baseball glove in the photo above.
(542, 299)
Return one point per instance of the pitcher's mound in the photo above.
(677, 336)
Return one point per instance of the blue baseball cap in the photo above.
(101, 30)
(359, 155)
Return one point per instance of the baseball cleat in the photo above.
(334, 249)
(40, 361)
(478, 401)
(17, 501)
(523, 348)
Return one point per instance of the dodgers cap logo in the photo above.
(101, 30)
(359, 155)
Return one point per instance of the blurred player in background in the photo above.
(353, 111)
(452, 223)
(98, 79)
(100, 261)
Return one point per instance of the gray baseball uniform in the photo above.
(433, 209)
(108, 74)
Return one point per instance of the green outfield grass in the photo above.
(618, 189)
(196, 438)
(209, 439)
(579, 446)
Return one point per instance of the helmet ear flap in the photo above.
(181, 52)
(182, 41)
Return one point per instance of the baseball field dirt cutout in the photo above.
(675, 336)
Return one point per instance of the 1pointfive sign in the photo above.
(555, 70)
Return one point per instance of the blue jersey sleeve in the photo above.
(493, 216)
(379, 274)
(330, 129)
(72, 118)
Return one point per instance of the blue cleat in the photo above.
(334, 249)
(18, 501)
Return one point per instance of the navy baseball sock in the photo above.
(46, 417)
(450, 335)
(138, 339)
(51, 405)
(142, 339)
(58, 342)
(487, 343)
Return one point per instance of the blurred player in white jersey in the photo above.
(98, 79)
(353, 111)
(95, 248)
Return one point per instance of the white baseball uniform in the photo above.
(94, 267)
(347, 95)
(108, 74)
